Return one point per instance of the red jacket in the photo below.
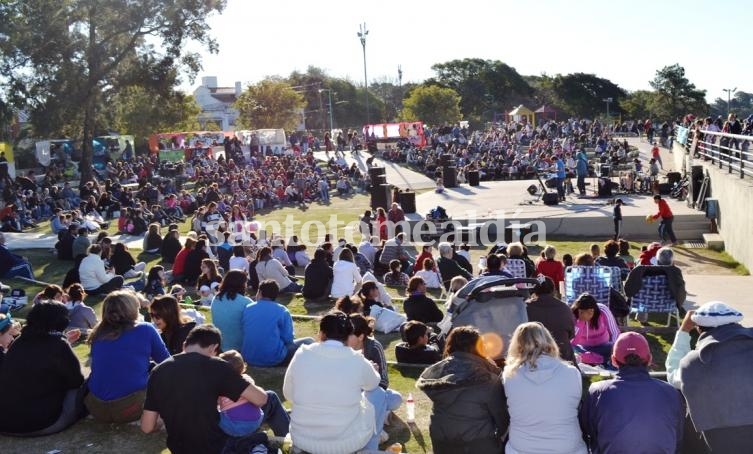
(420, 261)
(179, 265)
(552, 269)
(664, 211)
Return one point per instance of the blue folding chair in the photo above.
(517, 267)
(655, 297)
(596, 280)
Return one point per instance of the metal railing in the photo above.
(730, 151)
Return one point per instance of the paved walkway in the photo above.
(397, 174)
(645, 149)
(733, 290)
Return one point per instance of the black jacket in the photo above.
(317, 280)
(422, 308)
(470, 406)
(170, 248)
(557, 318)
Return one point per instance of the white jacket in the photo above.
(325, 383)
(92, 272)
(346, 277)
(273, 269)
(543, 405)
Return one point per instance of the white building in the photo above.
(217, 103)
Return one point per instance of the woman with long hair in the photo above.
(596, 330)
(381, 221)
(269, 267)
(317, 278)
(209, 274)
(153, 239)
(543, 394)
(122, 348)
(155, 282)
(124, 263)
(40, 375)
(345, 275)
(174, 327)
(227, 309)
(469, 407)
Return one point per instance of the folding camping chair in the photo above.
(596, 280)
(517, 267)
(655, 297)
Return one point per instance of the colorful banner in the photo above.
(172, 155)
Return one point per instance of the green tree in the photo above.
(639, 104)
(271, 103)
(483, 85)
(583, 94)
(70, 56)
(676, 95)
(140, 112)
(433, 105)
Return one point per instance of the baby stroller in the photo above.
(493, 304)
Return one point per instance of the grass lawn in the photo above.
(89, 436)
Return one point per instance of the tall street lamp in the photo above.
(362, 36)
(730, 92)
(329, 98)
(608, 101)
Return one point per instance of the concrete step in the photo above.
(713, 241)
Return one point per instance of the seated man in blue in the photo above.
(268, 338)
(13, 265)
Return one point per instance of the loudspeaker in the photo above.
(551, 198)
(446, 159)
(473, 178)
(375, 171)
(605, 170)
(381, 196)
(450, 177)
(379, 179)
(407, 201)
(696, 175)
(551, 183)
(673, 177)
(665, 188)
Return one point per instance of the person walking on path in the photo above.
(617, 217)
(665, 225)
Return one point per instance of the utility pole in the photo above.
(329, 98)
(362, 32)
(730, 92)
(608, 101)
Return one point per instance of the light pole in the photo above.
(362, 36)
(608, 101)
(730, 92)
(329, 98)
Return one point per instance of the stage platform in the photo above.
(578, 216)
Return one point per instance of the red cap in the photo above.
(631, 343)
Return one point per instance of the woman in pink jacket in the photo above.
(595, 331)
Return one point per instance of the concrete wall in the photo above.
(735, 215)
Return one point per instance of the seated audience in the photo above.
(633, 399)
(545, 308)
(268, 337)
(227, 309)
(173, 327)
(43, 373)
(417, 347)
(396, 278)
(13, 265)
(94, 277)
(543, 394)
(469, 411)
(317, 277)
(595, 330)
(346, 276)
(610, 258)
(418, 306)
(326, 382)
(122, 349)
(665, 266)
(82, 317)
(429, 274)
(269, 267)
(448, 267)
(184, 390)
(551, 268)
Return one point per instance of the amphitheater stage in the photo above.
(510, 202)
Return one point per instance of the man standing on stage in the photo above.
(665, 226)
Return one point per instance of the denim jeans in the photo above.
(293, 347)
(665, 229)
(384, 401)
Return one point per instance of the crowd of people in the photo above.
(153, 358)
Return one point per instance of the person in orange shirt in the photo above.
(665, 226)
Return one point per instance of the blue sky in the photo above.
(625, 42)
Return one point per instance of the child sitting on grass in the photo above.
(238, 418)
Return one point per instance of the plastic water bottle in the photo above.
(410, 409)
